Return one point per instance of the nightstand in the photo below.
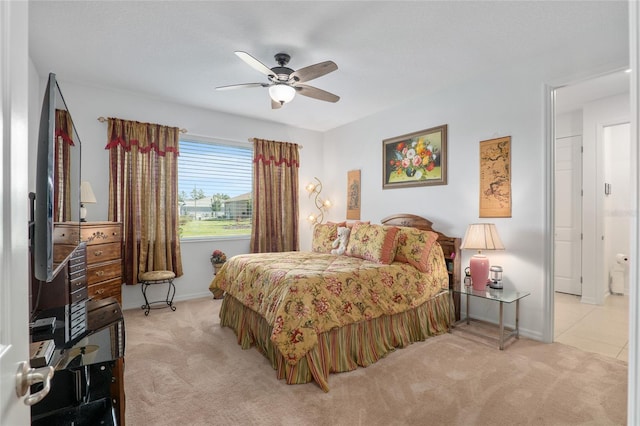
(505, 334)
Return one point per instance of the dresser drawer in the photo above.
(98, 253)
(78, 295)
(110, 288)
(104, 271)
(64, 233)
(77, 282)
(105, 234)
(91, 233)
(103, 313)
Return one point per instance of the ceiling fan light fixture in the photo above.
(282, 93)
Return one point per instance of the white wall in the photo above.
(569, 124)
(87, 103)
(508, 103)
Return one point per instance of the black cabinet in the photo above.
(87, 387)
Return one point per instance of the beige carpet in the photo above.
(182, 368)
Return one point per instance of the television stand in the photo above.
(87, 387)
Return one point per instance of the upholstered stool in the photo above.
(157, 277)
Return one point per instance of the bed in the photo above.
(315, 313)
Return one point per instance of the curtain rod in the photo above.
(104, 120)
(299, 146)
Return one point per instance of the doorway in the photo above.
(592, 148)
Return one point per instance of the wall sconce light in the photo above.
(314, 190)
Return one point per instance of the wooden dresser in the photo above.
(104, 255)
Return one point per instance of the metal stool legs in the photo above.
(154, 278)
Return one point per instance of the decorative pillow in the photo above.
(376, 243)
(351, 224)
(338, 224)
(414, 246)
(323, 236)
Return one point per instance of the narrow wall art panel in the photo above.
(495, 177)
(353, 194)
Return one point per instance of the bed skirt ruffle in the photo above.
(341, 349)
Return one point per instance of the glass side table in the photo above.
(501, 296)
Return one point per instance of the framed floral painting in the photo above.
(415, 159)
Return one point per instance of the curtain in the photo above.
(275, 197)
(143, 195)
(62, 167)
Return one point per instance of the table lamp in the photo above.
(86, 197)
(480, 236)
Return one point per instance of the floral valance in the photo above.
(276, 153)
(64, 126)
(143, 137)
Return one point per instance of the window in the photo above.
(214, 188)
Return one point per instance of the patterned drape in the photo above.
(62, 167)
(275, 197)
(143, 195)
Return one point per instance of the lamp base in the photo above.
(479, 268)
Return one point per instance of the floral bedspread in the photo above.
(303, 294)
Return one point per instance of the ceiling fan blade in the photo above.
(314, 71)
(241, 86)
(314, 92)
(275, 105)
(254, 63)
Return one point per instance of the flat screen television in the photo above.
(57, 195)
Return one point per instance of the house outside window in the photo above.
(214, 188)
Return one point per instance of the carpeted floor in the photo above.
(182, 368)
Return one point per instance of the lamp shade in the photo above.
(481, 236)
(86, 197)
(282, 93)
(86, 193)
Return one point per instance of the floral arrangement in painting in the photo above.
(414, 157)
(218, 256)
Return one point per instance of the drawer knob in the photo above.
(97, 253)
(99, 273)
(101, 291)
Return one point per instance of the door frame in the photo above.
(633, 382)
(590, 291)
(14, 209)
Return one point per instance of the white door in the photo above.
(14, 212)
(568, 223)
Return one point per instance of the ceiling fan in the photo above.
(284, 82)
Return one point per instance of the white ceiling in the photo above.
(386, 51)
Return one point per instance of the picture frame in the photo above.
(495, 177)
(415, 159)
(353, 195)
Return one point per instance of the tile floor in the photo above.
(601, 329)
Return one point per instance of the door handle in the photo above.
(27, 376)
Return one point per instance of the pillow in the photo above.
(414, 246)
(323, 236)
(351, 224)
(376, 243)
(343, 223)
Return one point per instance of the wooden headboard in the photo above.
(450, 245)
